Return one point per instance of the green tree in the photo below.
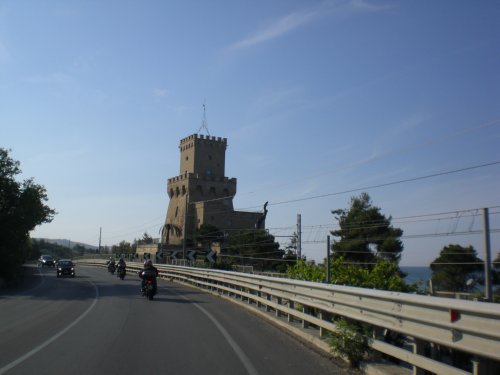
(350, 341)
(40, 246)
(123, 247)
(292, 248)
(384, 275)
(256, 248)
(146, 239)
(454, 266)
(365, 234)
(496, 269)
(307, 271)
(22, 208)
(208, 233)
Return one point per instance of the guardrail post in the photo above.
(277, 310)
(475, 366)
(321, 333)
(291, 304)
(268, 297)
(323, 315)
(305, 310)
(418, 348)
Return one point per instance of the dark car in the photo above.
(65, 267)
(46, 261)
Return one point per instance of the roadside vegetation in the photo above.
(22, 208)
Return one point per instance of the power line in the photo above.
(401, 150)
(412, 236)
(387, 184)
(338, 193)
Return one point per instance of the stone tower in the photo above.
(201, 193)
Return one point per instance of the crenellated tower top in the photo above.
(203, 155)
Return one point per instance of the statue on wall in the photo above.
(262, 218)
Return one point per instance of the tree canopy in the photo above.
(41, 246)
(256, 248)
(365, 235)
(454, 266)
(124, 247)
(22, 208)
(383, 275)
(208, 233)
(496, 270)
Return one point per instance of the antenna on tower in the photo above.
(204, 120)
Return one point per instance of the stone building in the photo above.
(202, 194)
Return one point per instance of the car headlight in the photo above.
(60, 269)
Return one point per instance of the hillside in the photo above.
(67, 243)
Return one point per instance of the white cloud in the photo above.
(364, 5)
(278, 28)
(160, 92)
(294, 20)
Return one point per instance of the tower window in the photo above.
(176, 211)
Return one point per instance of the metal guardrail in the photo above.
(467, 326)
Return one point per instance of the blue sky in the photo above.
(315, 98)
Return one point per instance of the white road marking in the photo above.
(32, 352)
(239, 352)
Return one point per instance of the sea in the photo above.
(420, 275)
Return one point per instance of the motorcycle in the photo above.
(149, 289)
(149, 283)
(121, 272)
(111, 268)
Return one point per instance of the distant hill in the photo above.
(66, 243)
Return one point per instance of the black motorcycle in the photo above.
(111, 268)
(149, 289)
(121, 272)
(148, 283)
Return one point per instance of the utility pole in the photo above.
(299, 236)
(100, 233)
(487, 255)
(328, 275)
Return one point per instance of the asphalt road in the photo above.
(96, 323)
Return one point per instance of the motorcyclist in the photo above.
(149, 272)
(121, 266)
(111, 265)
